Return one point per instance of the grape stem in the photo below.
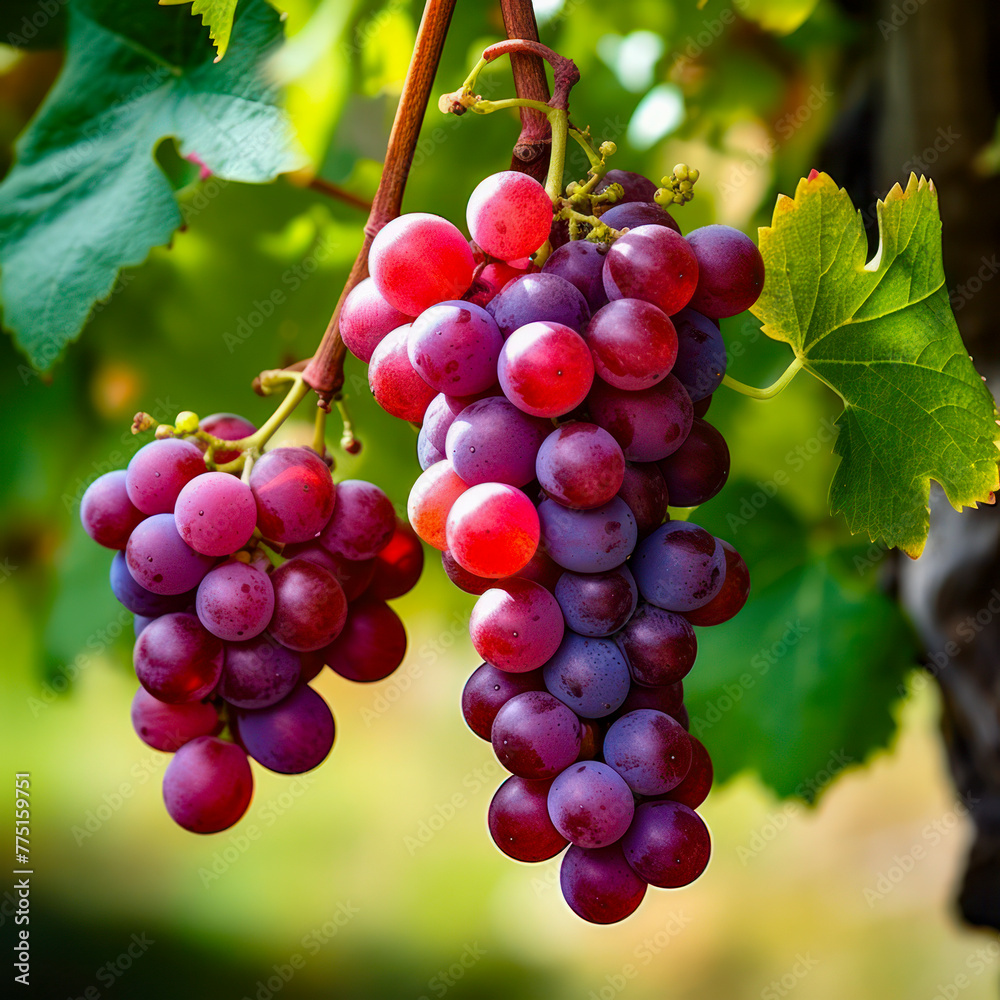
(325, 372)
(769, 392)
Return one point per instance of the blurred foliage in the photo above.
(747, 94)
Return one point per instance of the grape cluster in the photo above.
(560, 410)
(242, 590)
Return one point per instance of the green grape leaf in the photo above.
(800, 685)
(216, 15)
(86, 197)
(881, 335)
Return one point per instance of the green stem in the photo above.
(559, 120)
(488, 107)
(770, 391)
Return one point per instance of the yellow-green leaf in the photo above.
(216, 15)
(882, 335)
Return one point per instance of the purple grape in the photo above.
(652, 263)
(488, 690)
(702, 405)
(588, 541)
(590, 804)
(668, 844)
(645, 492)
(158, 471)
(177, 660)
(362, 522)
(580, 465)
(235, 601)
(168, 727)
(492, 441)
(139, 622)
(649, 424)
(215, 514)
(366, 318)
(701, 355)
(106, 512)
(372, 644)
(427, 454)
(732, 594)
(519, 821)
(353, 575)
(535, 735)
(454, 347)
(634, 344)
(633, 214)
(679, 567)
(668, 698)
(291, 737)
(258, 673)
(699, 468)
(310, 607)
(160, 560)
(140, 601)
(294, 493)
(537, 298)
(650, 750)
(660, 646)
(599, 885)
(581, 263)
(597, 604)
(635, 186)
(517, 626)
(730, 271)
(589, 675)
(208, 785)
(697, 783)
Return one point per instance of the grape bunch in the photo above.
(561, 409)
(243, 589)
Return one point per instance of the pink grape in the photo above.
(649, 424)
(519, 820)
(492, 530)
(394, 382)
(216, 514)
(516, 626)
(652, 263)
(106, 512)
(580, 465)
(177, 660)
(366, 318)
(431, 499)
(491, 281)
(235, 601)
(160, 560)
(427, 454)
(545, 369)
(310, 607)
(454, 347)
(208, 785)
(137, 599)
(419, 259)
(730, 271)
(294, 493)
(509, 215)
(398, 566)
(372, 644)
(158, 471)
(362, 522)
(228, 427)
(353, 575)
(167, 727)
(634, 344)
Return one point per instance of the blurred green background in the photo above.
(374, 877)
